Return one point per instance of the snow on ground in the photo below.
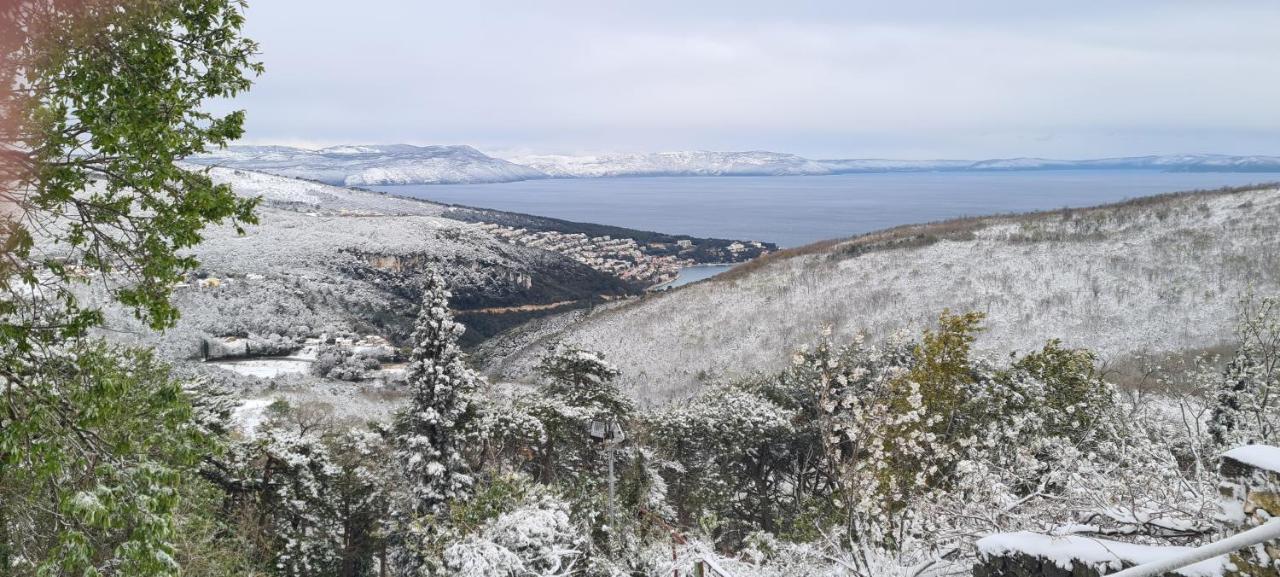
(1063, 550)
(1260, 456)
(1163, 276)
(319, 197)
(266, 368)
(249, 415)
(371, 165)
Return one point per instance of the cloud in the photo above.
(818, 78)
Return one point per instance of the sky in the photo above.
(824, 79)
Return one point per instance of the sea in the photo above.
(797, 210)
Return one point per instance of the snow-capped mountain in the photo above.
(373, 165)
(1175, 162)
(854, 165)
(687, 163)
(700, 163)
(408, 164)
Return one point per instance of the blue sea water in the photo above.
(797, 210)
(692, 274)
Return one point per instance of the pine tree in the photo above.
(1247, 409)
(583, 379)
(1228, 422)
(578, 389)
(441, 412)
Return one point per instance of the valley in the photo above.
(328, 268)
(330, 262)
(611, 289)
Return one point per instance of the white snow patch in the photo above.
(1064, 550)
(1260, 456)
(250, 414)
(267, 368)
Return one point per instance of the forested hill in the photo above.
(327, 259)
(1155, 274)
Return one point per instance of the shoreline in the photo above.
(727, 266)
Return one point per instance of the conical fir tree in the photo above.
(430, 430)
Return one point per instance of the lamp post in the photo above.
(609, 433)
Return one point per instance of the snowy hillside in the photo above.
(333, 259)
(691, 163)
(373, 165)
(340, 259)
(307, 195)
(1158, 274)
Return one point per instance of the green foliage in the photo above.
(942, 373)
(1246, 408)
(209, 543)
(96, 444)
(932, 405)
(499, 495)
(1075, 399)
(114, 93)
(578, 389)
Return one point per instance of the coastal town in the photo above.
(651, 264)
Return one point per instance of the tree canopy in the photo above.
(102, 99)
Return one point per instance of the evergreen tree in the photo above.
(1247, 409)
(579, 389)
(429, 433)
(583, 379)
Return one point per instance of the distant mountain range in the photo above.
(689, 163)
(407, 164)
(372, 165)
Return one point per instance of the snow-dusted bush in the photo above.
(903, 454)
(535, 538)
(342, 364)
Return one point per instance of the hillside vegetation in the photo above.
(1152, 275)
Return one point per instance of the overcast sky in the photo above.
(838, 78)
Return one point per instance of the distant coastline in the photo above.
(460, 164)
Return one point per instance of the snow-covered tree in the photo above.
(578, 389)
(311, 498)
(430, 432)
(584, 380)
(1247, 408)
(730, 450)
(536, 537)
